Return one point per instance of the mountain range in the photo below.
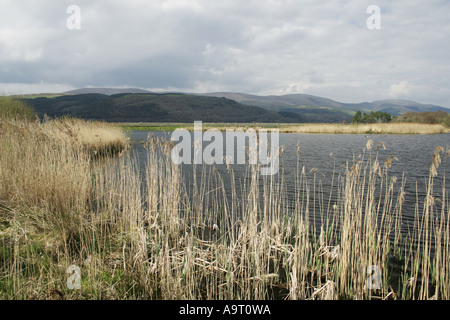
(301, 102)
(138, 105)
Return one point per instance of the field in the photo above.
(78, 220)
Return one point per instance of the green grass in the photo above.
(153, 128)
(14, 108)
(38, 95)
(190, 126)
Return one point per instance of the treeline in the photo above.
(430, 117)
(372, 117)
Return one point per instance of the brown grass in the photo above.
(372, 128)
(97, 138)
(323, 128)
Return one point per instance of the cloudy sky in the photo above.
(262, 47)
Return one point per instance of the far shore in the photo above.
(317, 128)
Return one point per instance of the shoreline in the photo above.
(305, 128)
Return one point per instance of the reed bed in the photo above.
(369, 128)
(147, 235)
(262, 247)
(322, 128)
(96, 138)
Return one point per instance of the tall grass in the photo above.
(96, 138)
(324, 128)
(46, 182)
(369, 128)
(148, 235)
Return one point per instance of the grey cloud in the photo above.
(265, 47)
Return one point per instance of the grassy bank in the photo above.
(12, 108)
(135, 237)
(322, 128)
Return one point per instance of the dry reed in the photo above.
(370, 128)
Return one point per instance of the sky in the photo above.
(335, 49)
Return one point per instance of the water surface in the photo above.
(322, 155)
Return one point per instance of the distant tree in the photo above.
(357, 117)
(372, 117)
(430, 117)
(385, 117)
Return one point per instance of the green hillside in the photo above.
(152, 107)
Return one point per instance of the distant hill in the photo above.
(304, 103)
(397, 107)
(152, 107)
(106, 91)
(133, 104)
(314, 109)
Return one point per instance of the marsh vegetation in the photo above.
(325, 128)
